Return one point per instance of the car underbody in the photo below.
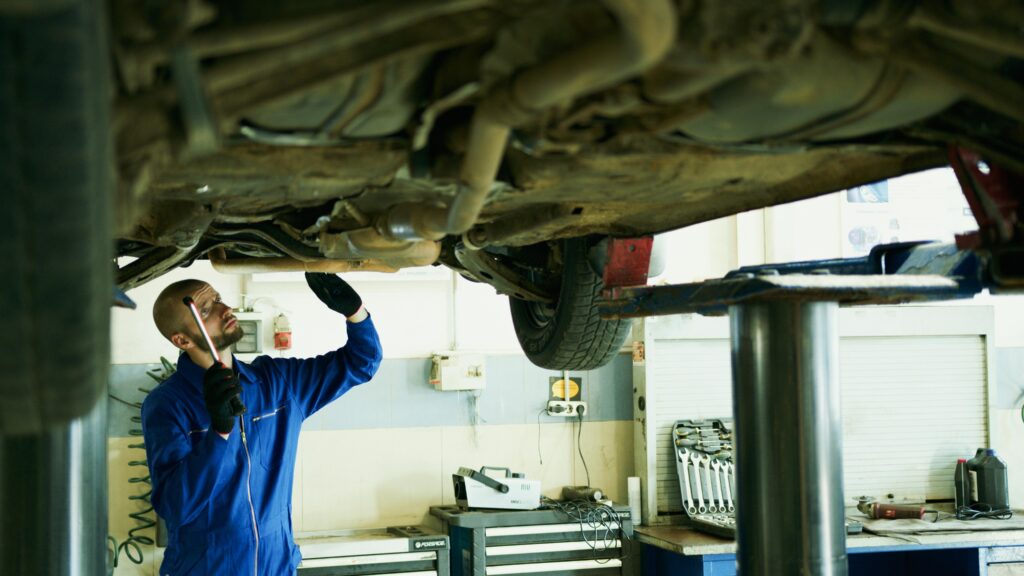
(346, 137)
(516, 142)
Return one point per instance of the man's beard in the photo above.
(221, 341)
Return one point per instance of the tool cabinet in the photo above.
(548, 542)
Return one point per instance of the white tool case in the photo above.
(475, 489)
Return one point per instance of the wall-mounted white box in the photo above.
(252, 325)
(457, 371)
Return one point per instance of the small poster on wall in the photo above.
(868, 219)
(569, 389)
(924, 206)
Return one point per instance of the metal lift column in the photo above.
(788, 432)
(788, 436)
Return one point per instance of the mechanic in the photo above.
(223, 482)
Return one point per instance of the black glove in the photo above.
(334, 292)
(220, 386)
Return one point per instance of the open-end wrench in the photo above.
(728, 486)
(717, 466)
(712, 503)
(685, 479)
(700, 490)
(711, 484)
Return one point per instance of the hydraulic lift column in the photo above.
(788, 437)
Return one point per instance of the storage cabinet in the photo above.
(548, 542)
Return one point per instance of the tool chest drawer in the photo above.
(550, 542)
(405, 551)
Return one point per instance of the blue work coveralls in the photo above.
(217, 495)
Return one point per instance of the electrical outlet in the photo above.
(563, 408)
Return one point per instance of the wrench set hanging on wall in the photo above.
(706, 474)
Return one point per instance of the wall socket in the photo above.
(562, 408)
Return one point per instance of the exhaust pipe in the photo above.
(268, 265)
(362, 250)
(647, 30)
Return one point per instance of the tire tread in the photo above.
(577, 338)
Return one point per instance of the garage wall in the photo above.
(412, 310)
(384, 453)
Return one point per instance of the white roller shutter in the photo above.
(911, 407)
(913, 382)
(690, 375)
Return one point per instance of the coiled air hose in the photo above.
(144, 517)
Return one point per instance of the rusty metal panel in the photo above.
(628, 261)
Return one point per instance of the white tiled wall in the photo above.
(351, 479)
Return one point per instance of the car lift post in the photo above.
(789, 466)
(788, 436)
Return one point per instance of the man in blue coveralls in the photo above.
(223, 481)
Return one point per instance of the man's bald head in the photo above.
(169, 313)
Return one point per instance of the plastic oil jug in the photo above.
(992, 482)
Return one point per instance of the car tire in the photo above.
(56, 173)
(569, 335)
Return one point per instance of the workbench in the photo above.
(681, 551)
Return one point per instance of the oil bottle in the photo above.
(992, 482)
(962, 484)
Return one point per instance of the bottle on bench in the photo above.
(993, 492)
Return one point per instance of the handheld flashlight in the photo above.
(237, 408)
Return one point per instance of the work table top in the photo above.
(688, 542)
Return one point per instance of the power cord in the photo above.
(540, 456)
(601, 520)
(982, 510)
(579, 445)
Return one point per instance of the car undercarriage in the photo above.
(508, 140)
